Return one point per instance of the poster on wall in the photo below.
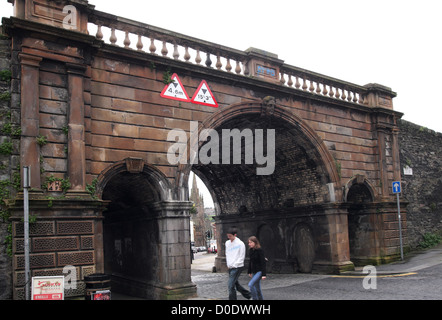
(47, 288)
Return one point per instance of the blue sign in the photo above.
(396, 187)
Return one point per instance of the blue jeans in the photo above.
(255, 286)
(234, 285)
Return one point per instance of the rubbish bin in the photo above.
(98, 287)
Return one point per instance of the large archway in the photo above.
(299, 189)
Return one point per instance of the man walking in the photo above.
(235, 255)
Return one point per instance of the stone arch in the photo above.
(155, 178)
(131, 228)
(301, 156)
(359, 189)
(266, 108)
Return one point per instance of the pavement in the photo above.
(213, 286)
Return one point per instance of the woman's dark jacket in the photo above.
(257, 261)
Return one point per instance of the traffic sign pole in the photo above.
(26, 185)
(397, 189)
(400, 225)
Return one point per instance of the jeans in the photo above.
(255, 286)
(234, 285)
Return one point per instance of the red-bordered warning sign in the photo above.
(204, 96)
(175, 90)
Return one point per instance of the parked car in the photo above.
(212, 250)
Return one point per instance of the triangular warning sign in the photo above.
(175, 90)
(204, 96)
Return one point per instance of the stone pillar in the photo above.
(380, 98)
(396, 155)
(382, 160)
(29, 149)
(70, 15)
(174, 265)
(76, 134)
(263, 65)
(333, 255)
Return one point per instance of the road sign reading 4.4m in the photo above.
(175, 90)
(204, 96)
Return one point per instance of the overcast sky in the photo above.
(396, 43)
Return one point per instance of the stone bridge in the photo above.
(115, 114)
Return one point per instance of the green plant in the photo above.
(167, 77)
(6, 148)
(338, 167)
(92, 188)
(430, 240)
(64, 183)
(5, 75)
(41, 140)
(5, 96)
(8, 240)
(9, 129)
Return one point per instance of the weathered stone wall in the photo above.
(5, 167)
(421, 150)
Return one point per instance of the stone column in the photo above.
(335, 256)
(29, 149)
(380, 98)
(382, 160)
(174, 272)
(76, 135)
(396, 155)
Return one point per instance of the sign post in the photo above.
(26, 185)
(397, 190)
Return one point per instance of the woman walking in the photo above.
(257, 268)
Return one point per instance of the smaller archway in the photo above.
(361, 227)
(131, 233)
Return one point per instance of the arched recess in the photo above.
(131, 233)
(359, 189)
(360, 196)
(304, 247)
(266, 110)
(266, 237)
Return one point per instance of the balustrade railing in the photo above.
(322, 85)
(143, 37)
(139, 36)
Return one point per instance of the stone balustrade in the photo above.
(323, 85)
(142, 37)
